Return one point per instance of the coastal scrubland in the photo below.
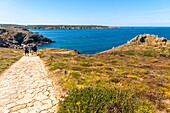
(117, 79)
(8, 57)
(133, 78)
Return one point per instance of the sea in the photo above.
(92, 41)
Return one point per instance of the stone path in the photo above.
(25, 88)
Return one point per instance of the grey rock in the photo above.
(15, 37)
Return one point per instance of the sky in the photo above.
(86, 12)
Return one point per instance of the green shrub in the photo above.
(148, 54)
(132, 53)
(57, 65)
(40, 55)
(101, 101)
(76, 68)
(75, 74)
(162, 55)
(85, 64)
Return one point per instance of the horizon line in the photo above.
(90, 25)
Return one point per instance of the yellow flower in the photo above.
(78, 103)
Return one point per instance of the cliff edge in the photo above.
(15, 37)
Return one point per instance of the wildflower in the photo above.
(61, 99)
(66, 95)
(78, 103)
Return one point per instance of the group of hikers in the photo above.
(30, 48)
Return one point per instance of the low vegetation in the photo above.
(143, 70)
(8, 57)
(103, 101)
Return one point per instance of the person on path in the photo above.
(26, 50)
(30, 48)
(34, 49)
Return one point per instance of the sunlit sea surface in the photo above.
(94, 41)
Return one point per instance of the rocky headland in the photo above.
(15, 37)
(141, 42)
(149, 39)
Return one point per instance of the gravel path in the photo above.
(25, 88)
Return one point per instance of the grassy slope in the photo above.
(8, 57)
(143, 70)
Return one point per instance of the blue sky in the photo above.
(78, 12)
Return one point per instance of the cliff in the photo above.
(14, 37)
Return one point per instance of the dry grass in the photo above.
(8, 57)
(142, 70)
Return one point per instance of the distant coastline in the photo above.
(59, 27)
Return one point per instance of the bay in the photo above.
(97, 40)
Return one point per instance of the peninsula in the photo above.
(64, 27)
(15, 37)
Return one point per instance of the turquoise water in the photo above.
(94, 41)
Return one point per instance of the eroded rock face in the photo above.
(3, 43)
(149, 39)
(2, 31)
(14, 37)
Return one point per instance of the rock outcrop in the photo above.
(149, 39)
(141, 41)
(3, 43)
(15, 37)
